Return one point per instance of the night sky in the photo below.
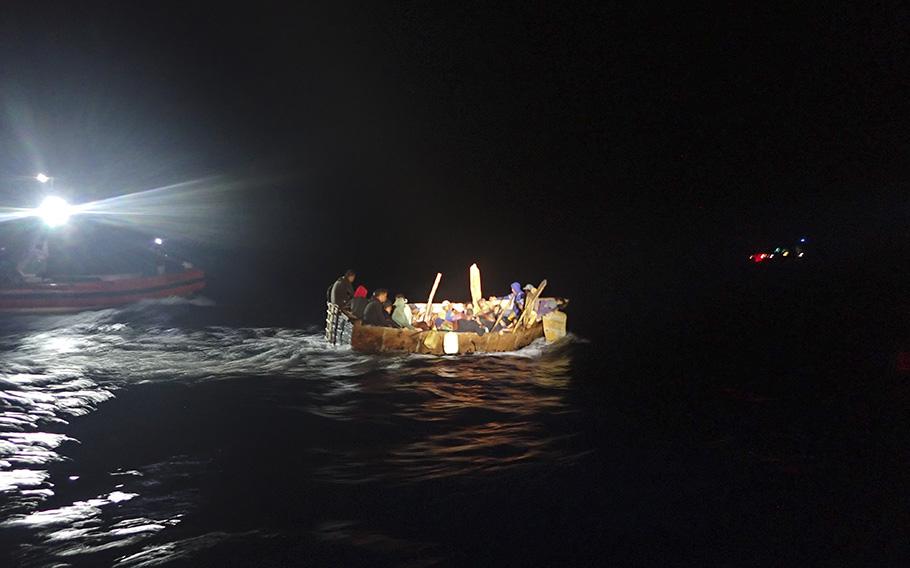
(617, 151)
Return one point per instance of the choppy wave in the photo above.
(470, 416)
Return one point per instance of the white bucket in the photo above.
(450, 343)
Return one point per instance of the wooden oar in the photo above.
(474, 279)
(426, 316)
(529, 301)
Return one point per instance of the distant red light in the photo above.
(903, 362)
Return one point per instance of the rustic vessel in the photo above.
(372, 339)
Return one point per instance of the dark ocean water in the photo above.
(155, 436)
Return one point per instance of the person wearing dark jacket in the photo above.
(375, 313)
(341, 292)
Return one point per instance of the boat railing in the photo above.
(338, 327)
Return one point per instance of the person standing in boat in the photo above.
(342, 291)
(375, 312)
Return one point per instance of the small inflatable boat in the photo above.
(98, 292)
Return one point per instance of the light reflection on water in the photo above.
(473, 416)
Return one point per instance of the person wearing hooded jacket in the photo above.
(402, 312)
(359, 302)
(516, 302)
(518, 298)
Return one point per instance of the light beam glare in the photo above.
(212, 209)
(14, 214)
(201, 210)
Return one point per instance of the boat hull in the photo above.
(107, 292)
(372, 339)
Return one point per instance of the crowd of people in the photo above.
(490, 314)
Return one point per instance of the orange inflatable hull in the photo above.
(99, 293)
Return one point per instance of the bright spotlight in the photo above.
(42, 178)
(159, 241)
(54, 211)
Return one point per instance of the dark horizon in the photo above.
(632, 157)
(633, 130)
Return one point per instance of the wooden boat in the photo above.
(99, 292)
(372, 339)
(541, 317)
